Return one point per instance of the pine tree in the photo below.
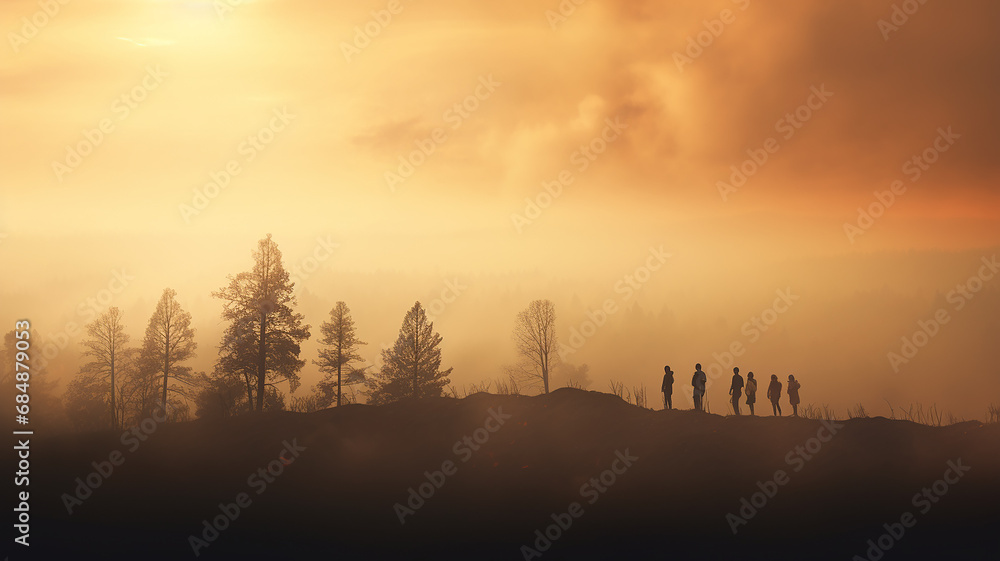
(262, 341)
(342, 349)
(411, 368)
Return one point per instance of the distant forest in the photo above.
(259, 356)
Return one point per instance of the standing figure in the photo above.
(698, 383)
(774, 394)
(736, 390)
(667, 387)
(751, 390)
(793, 394)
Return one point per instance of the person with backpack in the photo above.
(793, 394)
(774, 394)
(667, 387)
(698, 383)
(736, 390)
(751, 391)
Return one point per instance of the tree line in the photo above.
(260, 349)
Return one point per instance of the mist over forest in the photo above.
(684, 312)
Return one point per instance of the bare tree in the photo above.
(264, 333)
(169, 341)
(136, 389)
(341, 344)
(535, 341)
(132, 397)
(106, 344)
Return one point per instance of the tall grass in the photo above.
(636, 395)
(617, 388)
(917, 414)
(993, 413)
(500, 386)
(304, 404)
(857, 412)
(817, 413)
(508, 386)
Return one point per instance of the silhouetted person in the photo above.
(774, 394)
(751, 390)
(736, 390)
(698, 383)
(667, 387)
(793, 394)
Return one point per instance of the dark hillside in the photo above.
(687, 472)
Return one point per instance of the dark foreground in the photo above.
(664, 485)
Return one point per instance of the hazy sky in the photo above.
(303, 111)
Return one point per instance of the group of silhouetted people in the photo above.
(736, 390)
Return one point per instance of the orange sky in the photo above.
(302, 118)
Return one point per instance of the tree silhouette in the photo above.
(169, 341)
(263, 337)
(136, 392)
(86, 401)
(106, 345)
(47, 409)
(341, 341)
(535, 341)
(411, 368)
(237, 359)
(221, 396)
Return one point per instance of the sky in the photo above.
(827, 168)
